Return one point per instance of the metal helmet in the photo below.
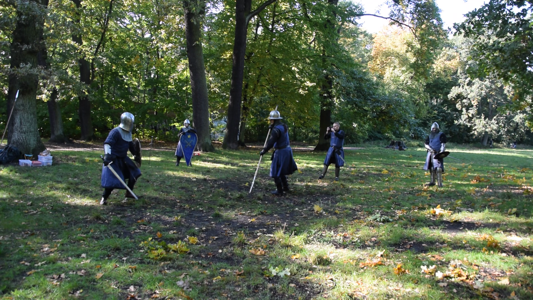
(435, 125)
(274, 115)
(186, 122)
(126, 121)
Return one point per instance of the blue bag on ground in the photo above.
(9, 154)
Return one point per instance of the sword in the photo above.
(7, 124)
(341, 158)
(260, 157)
(120, 179)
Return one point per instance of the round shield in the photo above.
(442, 155)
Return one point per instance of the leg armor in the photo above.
(178, 160)
(439, 176)
(432, 176)
(337, 172)
(324, 172)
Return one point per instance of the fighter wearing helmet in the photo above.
(116, 147)
(185, 129)
(282, 160)
(435, 143)
(335, 152)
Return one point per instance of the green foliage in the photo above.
(501, 33)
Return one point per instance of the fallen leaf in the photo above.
(257, 251)
(99, 275)
(159, 235)
(192, 240)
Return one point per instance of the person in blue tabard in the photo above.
(282, 160)
(335, 151)
(116, 147)
(435, 143)
(185, 129)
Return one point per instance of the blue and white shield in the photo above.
(188, 144)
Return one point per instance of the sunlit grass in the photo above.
(338, 240)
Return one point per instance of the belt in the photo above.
(281, 148)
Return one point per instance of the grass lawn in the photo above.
(196, 232)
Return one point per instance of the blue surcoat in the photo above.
(282, 159)
(335, 152)
(122, 164)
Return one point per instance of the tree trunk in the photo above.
(200, 101)
(325, 121)
(54, 113)
(242, 8)
(84, 105)
(56, 124)
(326, 87)
(243, 14)
(485, 139)
(245, 112)
(27, 42)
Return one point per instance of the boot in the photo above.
(285, 184)
(324, 172)
(432, 176)
(131, 184)
(105, 195)
(279, 187)
(337, 172)
(178, 161)
(439, 177)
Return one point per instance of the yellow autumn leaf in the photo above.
(400, 270)
(257, 251)
(296, 256)
(217, 279)
(317, 208)
(192, 240)
(385, 172)
(99, 275)
(159, 235)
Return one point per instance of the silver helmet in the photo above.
(186, 122)
(274, 115)
(435, 125)
(126, 121)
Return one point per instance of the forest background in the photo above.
(225, 64)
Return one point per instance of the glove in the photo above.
(109, 158)
(271, 126)
(338, 151)
(262, 152)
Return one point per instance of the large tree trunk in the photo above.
(56, 124)
(325, 114)
(243, 14)
(239, 50)
(326, 87)
(54, 113)
(200, 101)
(84, 105)
(27, 42)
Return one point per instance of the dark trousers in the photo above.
(107, 191)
